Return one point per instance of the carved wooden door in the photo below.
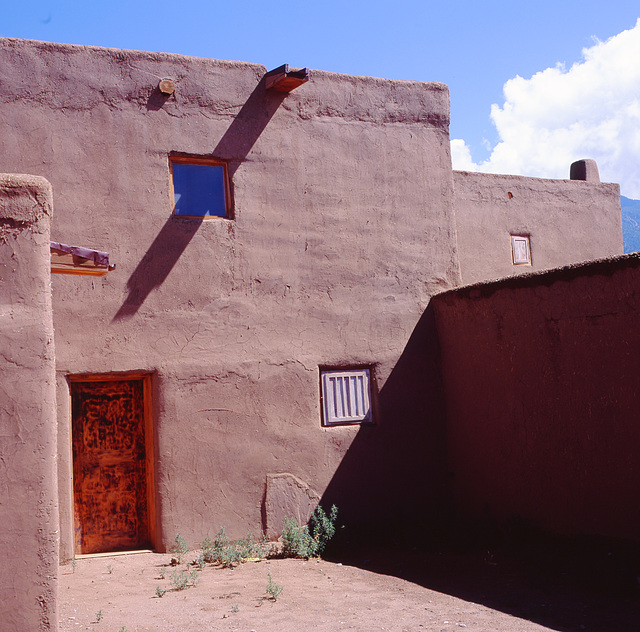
(109, 466)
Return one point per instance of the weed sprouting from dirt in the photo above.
(99, 616)
(179, 549)
(247, 546)
(208, 550)
(221, 550)
(274, 590)
(311, 540)
(302, 542)
(182, 580)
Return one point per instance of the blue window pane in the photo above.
(199, 190)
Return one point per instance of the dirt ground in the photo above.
(392, 592)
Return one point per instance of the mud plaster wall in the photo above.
(28, 484)
(343, 230)
(567, 221)
(542, 398)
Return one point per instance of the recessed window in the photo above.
(520, 250)
(346, 396)
(200, 187)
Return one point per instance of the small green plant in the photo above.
(179, 549)
(323, 527)
(160, 591)
(264, 548)
(221, 551)
(235, 608)
(230, 557)
(99, 616)
(163, 572)
(208, 550)
(311, 540)
(199, 562)
(293, 541)
(247, 547)
(123, 629)
(274, 590)
(221, 540)
(109, 569)
(181, 580)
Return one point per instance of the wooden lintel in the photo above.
(284, 80)
(79, 271)
(67, 261)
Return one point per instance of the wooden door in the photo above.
(110, 465)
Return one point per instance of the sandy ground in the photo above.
(442, 592)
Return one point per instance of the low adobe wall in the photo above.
(28, 489)
(540, 375)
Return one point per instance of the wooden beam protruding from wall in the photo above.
(284, 80)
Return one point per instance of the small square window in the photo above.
(520, 250)
(346, 396)
(200, 187)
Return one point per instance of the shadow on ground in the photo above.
(391, 491)
(564, 584)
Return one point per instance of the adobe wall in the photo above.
(343, 230)
(540, 377)
(567, 221)
(28, 485)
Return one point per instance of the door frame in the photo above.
(124, 376)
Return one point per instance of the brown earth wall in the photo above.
(343, 229)
(29, 535)
(540, 375)
(567, 221)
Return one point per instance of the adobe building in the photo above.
(267, 339)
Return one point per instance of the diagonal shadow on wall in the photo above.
(177, 233)
(393, 476)
(392, 492)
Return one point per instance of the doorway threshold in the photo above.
(83, 556)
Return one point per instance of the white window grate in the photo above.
(520, 250)
(347, 396)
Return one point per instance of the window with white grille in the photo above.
(520, 250)
(346, 396)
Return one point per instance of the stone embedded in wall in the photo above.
(287, 495)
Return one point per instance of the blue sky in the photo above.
(474, 47)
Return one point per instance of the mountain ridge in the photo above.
(630, 224)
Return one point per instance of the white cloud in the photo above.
(558, 116)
